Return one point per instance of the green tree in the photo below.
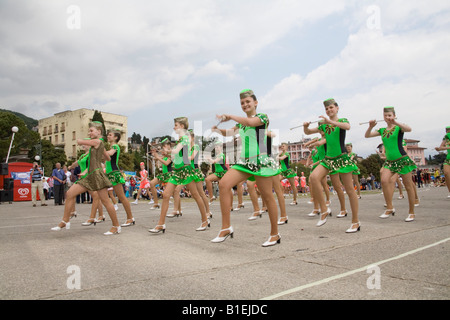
(98, 117)
(51, 155)
(23, 139)
(372, 164)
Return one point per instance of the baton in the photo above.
(361, 123)
(302, 125)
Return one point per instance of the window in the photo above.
(56, 139)
(56, 128)
(63, 126)
(74, 135)
(62, 137)
(74, 151)
(45, 131)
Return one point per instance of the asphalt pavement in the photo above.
(388, 259)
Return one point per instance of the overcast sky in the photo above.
(156, 60)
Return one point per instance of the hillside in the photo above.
(30, 122)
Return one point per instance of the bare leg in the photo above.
(204, 197)
(388, 187)
(352, 196)
(254, 196)
(71, 195)
(153, 184)
(209, 180)
(447, 176)
(198, 199)
(177, 199)
(118, 189)
(316, 180)
(168, 191)
(280, 198)
(409, 186)
(335, 180)
(230, 179)
(265, 187)
(294, 188)
(356, 183)
(103, 194)
(326, 189)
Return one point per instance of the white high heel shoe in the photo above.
(323, 221)
(154, 230)
(89, 222)
(385, 216)
(283, 222)
(130, 223)
(208, 224)
(118, 230)
(313, 214)
(410, 217)
(58, 228)
(222, 239)
(342, 214)
(269, 243)
(253, 217)
(353, 230)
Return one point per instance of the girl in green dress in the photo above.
(183, 174)
(95, 180)
(194, 157)
(336, 162)
(167, 169)
(218, 168)
(397, 160)
(445, 145)
(356, 173)
(317, 146)
(253, 163)
(115, 175)
(286, 171)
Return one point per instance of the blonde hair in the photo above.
(182, 120)
(97, 125)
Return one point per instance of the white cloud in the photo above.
(408, 70)
(147, 54)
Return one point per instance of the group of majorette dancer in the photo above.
(257, 165)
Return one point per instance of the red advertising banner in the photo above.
(20, 172)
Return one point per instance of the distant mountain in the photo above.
(30, 122)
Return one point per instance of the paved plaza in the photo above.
(388, 259)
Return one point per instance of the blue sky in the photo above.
(155, 60)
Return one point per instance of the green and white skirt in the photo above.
(260, 166)
(182, 176)
(220, 174)
(116, 178)
(402, 165)
(339, 164)
(288, 173)
(164, 177)
(198, 175)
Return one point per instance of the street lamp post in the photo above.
(14, 130)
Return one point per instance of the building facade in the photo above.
(297, 150)
(64, 128)
(415, 152)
